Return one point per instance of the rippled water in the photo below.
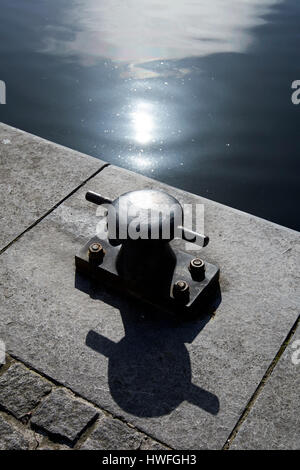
(195, 93)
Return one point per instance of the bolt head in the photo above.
(95, 247)
(197, 269)
(96, 252)
(181, 285)
(181, 291)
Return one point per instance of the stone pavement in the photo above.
(35, 175)
(51, 417)
(274, 421)
(185, 386)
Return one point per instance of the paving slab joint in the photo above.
(261, 385)
(53, 208)
(85, 434)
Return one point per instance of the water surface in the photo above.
(194, 93)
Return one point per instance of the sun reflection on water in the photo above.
(143, 123)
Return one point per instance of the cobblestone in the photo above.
(63, 415)
(21, 390)
(111, 434)
(12, 438)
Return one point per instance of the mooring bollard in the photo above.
(136, 256)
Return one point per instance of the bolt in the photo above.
(197, 269)
(181, 291)
(96, 252)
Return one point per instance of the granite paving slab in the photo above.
(185, 384)
(274, 421)
(34, 176)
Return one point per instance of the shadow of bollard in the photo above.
(149, 370)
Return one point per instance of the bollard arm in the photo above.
(96, 198)
(194, 237)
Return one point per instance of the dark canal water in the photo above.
(194, 93)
